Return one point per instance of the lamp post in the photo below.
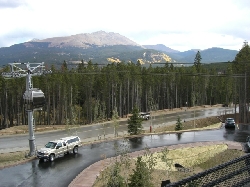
(151, 113)
(194, 118)
(194, 114)
(152, 108)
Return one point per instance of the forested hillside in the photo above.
(91, 93)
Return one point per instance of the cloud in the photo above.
(174, 23)
(11, 3)
(195, 40)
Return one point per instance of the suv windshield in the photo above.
(230, 120)
(50, 145)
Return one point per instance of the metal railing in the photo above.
(233, 173)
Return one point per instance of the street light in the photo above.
(194, 114)
(194, 118)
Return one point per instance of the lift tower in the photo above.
(34, 98)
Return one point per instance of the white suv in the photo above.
(58, 148)
(145, 115)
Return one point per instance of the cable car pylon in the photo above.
(34, 98)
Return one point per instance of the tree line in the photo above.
(90, 92)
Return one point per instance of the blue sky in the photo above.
(178, 24)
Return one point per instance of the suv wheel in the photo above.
(51, 158)
(75, 150)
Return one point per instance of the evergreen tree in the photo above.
(135, 122)
(199, 83)
(114, 178)
(141, 175)
(64, 66)
(178, 124)
(197, 61)
(241, 65)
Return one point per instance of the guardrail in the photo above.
(225, 112)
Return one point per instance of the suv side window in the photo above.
(59, 145)
(76, 139)
(72, 140)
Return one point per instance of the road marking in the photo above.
(97, 129)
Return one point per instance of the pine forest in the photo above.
(90, 93)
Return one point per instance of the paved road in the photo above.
(63, 170)
(91, 132)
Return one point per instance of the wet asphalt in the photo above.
(63, 170)
(20, 142)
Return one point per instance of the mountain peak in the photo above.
(161, 47)
(86, 40)
(34, 40)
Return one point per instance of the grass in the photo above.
(13, 158)
(22, 129)
(200, 124)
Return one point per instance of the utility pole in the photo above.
(33, 97)
(194, 117)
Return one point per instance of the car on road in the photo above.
(58, 148)
(229, 123)
(145, 115)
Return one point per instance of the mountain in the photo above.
(161, 47)
(102, 48)
(88, 40)
(211, 55)
(216, 54)
(99, 47)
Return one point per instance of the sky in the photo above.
(179, 24)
